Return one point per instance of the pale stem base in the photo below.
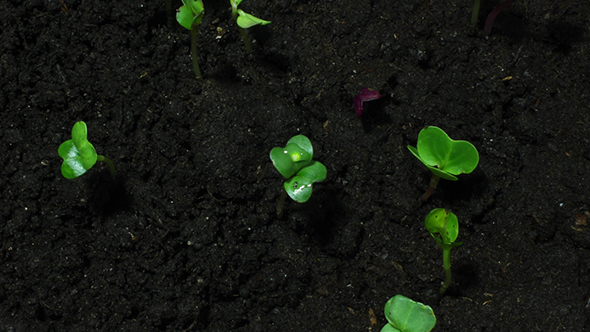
(109, 163)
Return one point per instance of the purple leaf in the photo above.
(365, 95)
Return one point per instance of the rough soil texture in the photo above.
(186, 238)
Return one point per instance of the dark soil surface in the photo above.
(186, 237)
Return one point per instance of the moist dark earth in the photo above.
(186, 237)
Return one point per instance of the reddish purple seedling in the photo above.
(365, 95)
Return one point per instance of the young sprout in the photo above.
(295, 163)
(405, 315)
(244, 21)
(79, 154)
(444, 229)
(189, 15)
(366, 94)
(444, 156)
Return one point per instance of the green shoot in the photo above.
(444, 229)
(189, 15)
(405, 315)
(245, 21)
(295, 163)
(443, 156)
(475, 12)
(79, 155)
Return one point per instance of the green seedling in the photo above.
(444, 157)
(406, 315)
(189, 15)
(295, 163)
(244, 21)
(444, 229)
(79, 155)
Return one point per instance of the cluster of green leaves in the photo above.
(190, 15)
(445, 158)
(295, 163)
(406, 315)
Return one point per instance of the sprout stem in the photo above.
(447, 266)
(109, 163)
(281, 204)
(194, 55)
(433, 184)
(234, 14)
(247, 43)
(475, 12)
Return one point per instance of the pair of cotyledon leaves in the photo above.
(191, 13)
(444, 156)
(440, 221)
(295, 163)
(78, 154)
(406, 315)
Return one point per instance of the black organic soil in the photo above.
(186, 238)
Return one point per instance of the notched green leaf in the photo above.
(404, 314)
(246, 20)
(444, 156)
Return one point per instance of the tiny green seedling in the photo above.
(444, 229)
(295, 163)
(406, 315)
(189, 15)
(245, 21)
(79, 154)
(444, 157)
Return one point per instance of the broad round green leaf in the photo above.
(185, 17)
(246, 20)
(444, 156)
(190, 14)
(303, 142)
(315, 171)
(299, 188)
(72, 166)
(438, 172)
(290, 159)
(407, 315)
